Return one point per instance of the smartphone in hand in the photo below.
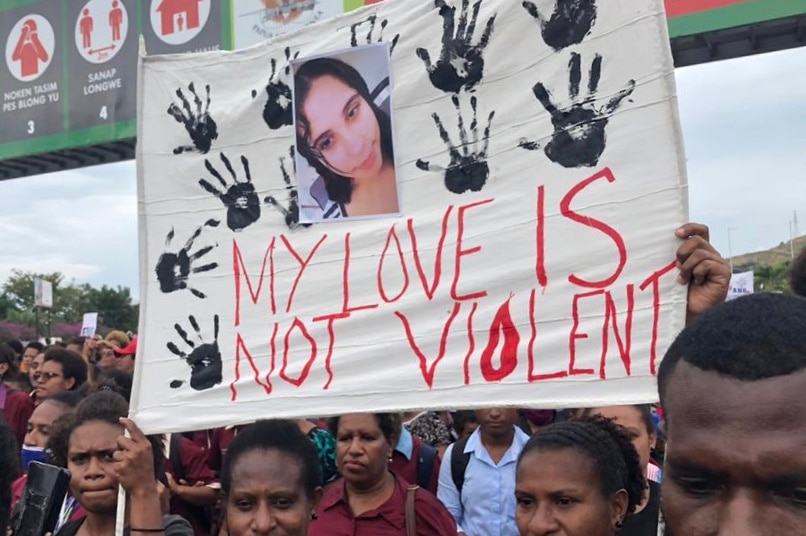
(42, 500)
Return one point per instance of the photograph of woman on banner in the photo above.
(345, 152)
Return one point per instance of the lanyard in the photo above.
(68, 507)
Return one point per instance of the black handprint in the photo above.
(173, 269)
(277, 111)
(241, 200)
(579, 137)
(468, 169)
(568, 25)
(291, 213)
(371, 20)
(460, 63)
(204, 360)
(201, 127)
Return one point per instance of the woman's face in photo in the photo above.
(344, 131)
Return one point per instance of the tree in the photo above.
(772, 278)
(114, 307)
(6, 306)
(70, 303)
(19, 287)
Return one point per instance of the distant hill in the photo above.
(769, 257)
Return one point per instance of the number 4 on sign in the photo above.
(104, 113)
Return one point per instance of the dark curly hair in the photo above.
(339, 188)
(389, 423)
(73, 365)
(606, 445)
(38, 346)
(276, 434)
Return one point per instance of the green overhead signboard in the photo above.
(692, 17)
(68, 78)
(69, 70)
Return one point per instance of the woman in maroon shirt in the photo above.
(270, 480)
(370, 500)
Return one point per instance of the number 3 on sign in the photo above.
(104, 114)
(31, 127)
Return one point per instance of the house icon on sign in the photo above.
(178, 15)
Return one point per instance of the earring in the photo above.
(619, 524)
(314, 517)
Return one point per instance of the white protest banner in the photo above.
(495, 215)
(741, 284)
(89, 324)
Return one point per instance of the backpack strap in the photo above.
(425, 464)
(459, 461)
(411, 515)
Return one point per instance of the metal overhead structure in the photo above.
(77, 108)
(710, 30)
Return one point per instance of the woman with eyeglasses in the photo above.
(61, 370)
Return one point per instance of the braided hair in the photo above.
(606, 445)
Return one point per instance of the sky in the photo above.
(744, 126)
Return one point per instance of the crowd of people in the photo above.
(722, 448)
